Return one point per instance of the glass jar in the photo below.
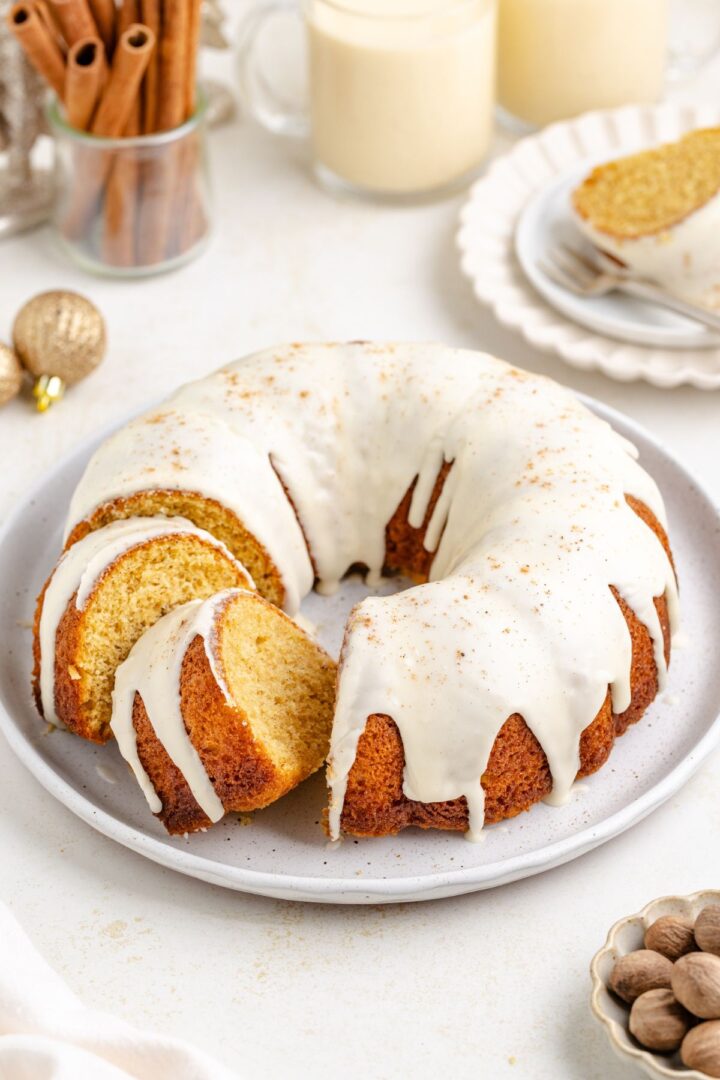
(560, 58)
(135, 206)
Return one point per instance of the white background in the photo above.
(492, 985)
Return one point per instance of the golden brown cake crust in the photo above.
(203, 512)
(69, 694)
(242, 774)
(517, 775)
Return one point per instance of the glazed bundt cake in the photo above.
(541, 623)
(102, 594)
(224, 704)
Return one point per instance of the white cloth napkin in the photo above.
(46, 1033)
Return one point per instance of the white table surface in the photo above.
(491, 985)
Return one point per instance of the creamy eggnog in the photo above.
(558, 58)
(401, 91)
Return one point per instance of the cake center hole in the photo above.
(329, 614)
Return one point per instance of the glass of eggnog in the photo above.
(559, 58)
(401, 92)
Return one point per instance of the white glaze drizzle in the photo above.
(531, 530)
(183, 447)
(683, 258)
(81, 567)
(153, 670)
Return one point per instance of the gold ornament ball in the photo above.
(11, 374)
(60, 334)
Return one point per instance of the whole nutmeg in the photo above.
(658, 1021)
(638, 972)
(701, 1048)
(671, 935)
(696, 984)
(707, 929)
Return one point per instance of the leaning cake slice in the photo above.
(106, 589)
(224, 704)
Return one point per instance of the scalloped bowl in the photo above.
(625, 936)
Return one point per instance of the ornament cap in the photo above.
(47, 390)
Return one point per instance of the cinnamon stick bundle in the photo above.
(124, 68)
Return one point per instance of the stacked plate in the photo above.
(519, 211)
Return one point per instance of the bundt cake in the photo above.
(540, 625)
(658, 213)
(102, 594)
(224, 704)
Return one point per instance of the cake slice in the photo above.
(223, 705)
(106, 589)
(658, 212)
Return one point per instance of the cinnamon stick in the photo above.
(192, 58)
(166, 181)
(189, 220)
(128, 14)
(150, 13)
(121, 193)
(41, 49)
(104, 12)
(43, 9)
(75, 19)
(129, 64)
(86, 71)
(175, 18)
(158, 178)
(188, 217)
(121, 201)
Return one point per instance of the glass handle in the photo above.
(260, 96)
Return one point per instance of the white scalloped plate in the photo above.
(486, 240)
(545, 220)
(283, 853)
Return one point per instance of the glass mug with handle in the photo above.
(560, 58)
(401, 97)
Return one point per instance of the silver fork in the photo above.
(584, 276)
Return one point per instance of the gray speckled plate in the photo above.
(284, 853)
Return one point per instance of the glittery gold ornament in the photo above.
(11, 374)
(60, 338)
